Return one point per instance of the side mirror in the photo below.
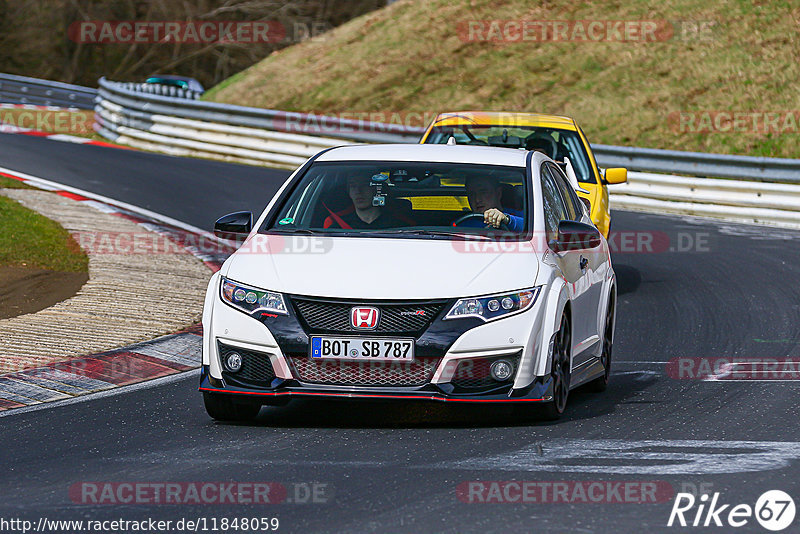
(573, 235)
(234, 225)
(616, 176)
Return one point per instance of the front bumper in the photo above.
(279, 341)
(539, 391)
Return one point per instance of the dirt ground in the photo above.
(28, 290)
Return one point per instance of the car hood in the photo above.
(382, 268)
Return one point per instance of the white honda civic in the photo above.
(412, 272)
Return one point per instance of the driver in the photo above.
(483, 193)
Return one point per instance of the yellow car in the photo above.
(558, 137)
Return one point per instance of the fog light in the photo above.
(501, 370)
(233, 362)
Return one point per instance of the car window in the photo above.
(556, 143)
(578, 157)
(574, 211)
(592, 160)
(364, 197)
(554, 208)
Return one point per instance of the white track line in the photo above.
(51, 185)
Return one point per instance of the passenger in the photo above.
(362, 214)
(484, 194)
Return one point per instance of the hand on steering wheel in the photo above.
(482, 217)
(495, 218)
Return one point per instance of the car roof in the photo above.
(485, 155)
(191, 82)
(504, 118)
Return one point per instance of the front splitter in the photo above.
(538, 391)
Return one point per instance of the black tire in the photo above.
(600, 383)
(560, 372)
(223, 408)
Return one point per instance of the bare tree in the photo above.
(35, 37)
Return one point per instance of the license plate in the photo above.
(362, 348)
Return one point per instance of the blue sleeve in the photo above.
(515, 222)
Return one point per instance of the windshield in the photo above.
(553, 142)
(422, 198)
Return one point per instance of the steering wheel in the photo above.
(468, 216)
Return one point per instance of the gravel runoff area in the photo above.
(129, 297)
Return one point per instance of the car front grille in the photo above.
(256, 367)
(363, 373)
(398, 318)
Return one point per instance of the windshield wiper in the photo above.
(304, 231)
(438, 233)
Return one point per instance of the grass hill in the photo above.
(708, 58)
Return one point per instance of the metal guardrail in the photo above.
(23, 90)
(131, 114)
(130, 97)
(777, 204)
(699, 163)
(158, 89)
(138, 107)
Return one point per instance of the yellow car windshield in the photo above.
(554, 142)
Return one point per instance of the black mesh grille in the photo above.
(395, 318)
(364, 373)
(256, 368)
(474, 372)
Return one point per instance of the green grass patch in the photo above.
(29, 239)
(10, 183)
(209, 95)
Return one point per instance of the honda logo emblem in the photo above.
(364, 318)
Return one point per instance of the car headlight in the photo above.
(250, 300)
(494, 306)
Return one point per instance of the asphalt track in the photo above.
(396, 468)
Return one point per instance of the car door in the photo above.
(596, 269)
(572, 263)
